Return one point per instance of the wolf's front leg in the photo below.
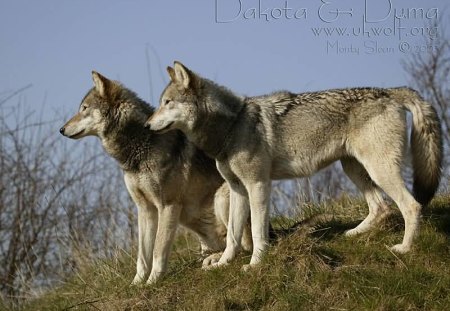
(259, 196)
(236, 221)
(148, 224)
(168, 219)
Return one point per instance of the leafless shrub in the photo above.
(54, 201)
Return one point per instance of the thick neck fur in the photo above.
(135, 147)
(125, 137)
(219, 110)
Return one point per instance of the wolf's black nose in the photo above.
(61, 130)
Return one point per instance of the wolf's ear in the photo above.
(171, 73)
(182, 74)
(101, 83)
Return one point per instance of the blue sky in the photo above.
(251, 46)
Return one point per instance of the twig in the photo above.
(401, 261)
(15, 93)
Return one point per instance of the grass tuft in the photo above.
(314, 267)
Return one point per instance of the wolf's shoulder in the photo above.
(279, 102)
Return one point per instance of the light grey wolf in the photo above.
(170, 180)
(285, 135)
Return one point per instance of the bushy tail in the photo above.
(426, 144)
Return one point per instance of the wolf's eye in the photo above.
(83, 108)
(166, 102)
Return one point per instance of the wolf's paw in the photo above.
(214, 266)
(211, 266)
(154, 277)
(138, 280)
(247, 268)
(400, 249)
(211, 260)
(351, 232)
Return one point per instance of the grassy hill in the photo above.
(308, 269)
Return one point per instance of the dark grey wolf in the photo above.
(170, 180)
(286, 135)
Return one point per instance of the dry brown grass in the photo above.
(305, 270)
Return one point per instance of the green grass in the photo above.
(318, 269)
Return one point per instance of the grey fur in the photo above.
(170, 180)
(285, 135)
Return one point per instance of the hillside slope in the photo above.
(316, 269)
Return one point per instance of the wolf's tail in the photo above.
(426, 144)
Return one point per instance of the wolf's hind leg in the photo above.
(388, 177)
(378, 210)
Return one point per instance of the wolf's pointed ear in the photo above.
(182, 74)
(100, 83)
(171, 73)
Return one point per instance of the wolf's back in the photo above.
(426, 143)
